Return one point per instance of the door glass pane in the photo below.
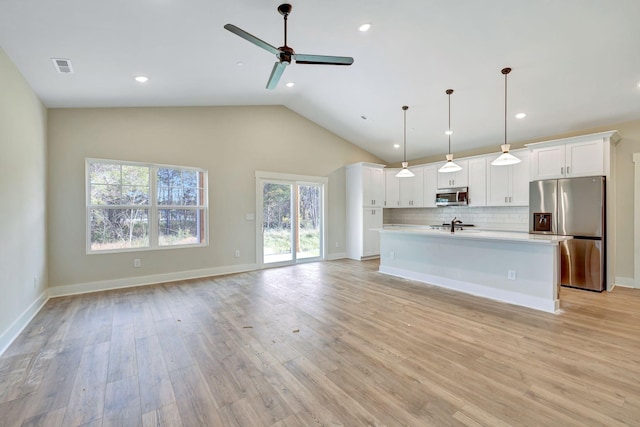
(276, 215)
(308, 235)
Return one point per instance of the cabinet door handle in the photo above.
(562, 171)
(509, 199)
(505, 199)
(567, 170)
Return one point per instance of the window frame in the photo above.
(152, 206)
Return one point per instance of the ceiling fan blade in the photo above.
(274, 78)
(323, 59)
(251, 38)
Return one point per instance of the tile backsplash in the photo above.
(495, 217)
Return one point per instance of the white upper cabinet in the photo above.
(430, 185)
(571, 157)
(455, 179)
(412, 189)
(391, 188)
(508, 185)
(478, 181)
(373, 186)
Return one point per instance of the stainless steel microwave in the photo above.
(458, 196)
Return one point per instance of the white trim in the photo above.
(152, 207)
(476, 289)
(11, 333)
(636, 221)
(82, 288)
(626, 282)
(612, 135)
(293, 179)
(335, 256)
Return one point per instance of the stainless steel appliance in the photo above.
(458, 196)
(573, 207)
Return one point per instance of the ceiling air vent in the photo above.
(63, 66)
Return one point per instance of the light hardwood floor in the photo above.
(323, 344)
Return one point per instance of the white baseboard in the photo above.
(550, 306)
(12, 332)
(626, 282)
(83, 288)
(335, 256)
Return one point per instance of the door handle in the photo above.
(562, 171)
(567, 170)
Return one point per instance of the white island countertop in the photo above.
(510, 266)
(472, 233)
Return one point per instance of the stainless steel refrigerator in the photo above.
(573, 207)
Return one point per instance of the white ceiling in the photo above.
(576, 63)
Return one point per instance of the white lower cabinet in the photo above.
(372, 218)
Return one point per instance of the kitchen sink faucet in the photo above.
(454, 221)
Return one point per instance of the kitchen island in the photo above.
(513, 267)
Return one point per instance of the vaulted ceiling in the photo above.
(575, 63)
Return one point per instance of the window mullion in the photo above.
(153, 207)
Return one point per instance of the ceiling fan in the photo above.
(284, 53)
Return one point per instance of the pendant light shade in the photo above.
(404, 172)
(449, 166)
(505, 158)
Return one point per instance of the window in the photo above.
(134, 206)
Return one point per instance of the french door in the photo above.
(290, 221)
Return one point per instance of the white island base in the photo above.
(516, 268)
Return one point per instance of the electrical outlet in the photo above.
(237, 254)
(137, 263)
(511, 274)
(337, 244)
(392, 255)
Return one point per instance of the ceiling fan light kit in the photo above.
(404, 172)
(505, 158)
(450, 165)
(286, 54)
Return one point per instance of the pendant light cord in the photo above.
(405, 108)
(505, 107)
(449, 92)
(505, 71)
(449, 129)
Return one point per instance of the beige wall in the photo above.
(230, 142)
(23, 267)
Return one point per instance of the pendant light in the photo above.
(450, 166)
(404, 172)
(505, 158)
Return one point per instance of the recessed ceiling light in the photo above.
(521, 116)
(638, 84)
(141, 79)
(364, 27)
(239, 63)
(396, 145)
(291, 84)
(448, 132)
